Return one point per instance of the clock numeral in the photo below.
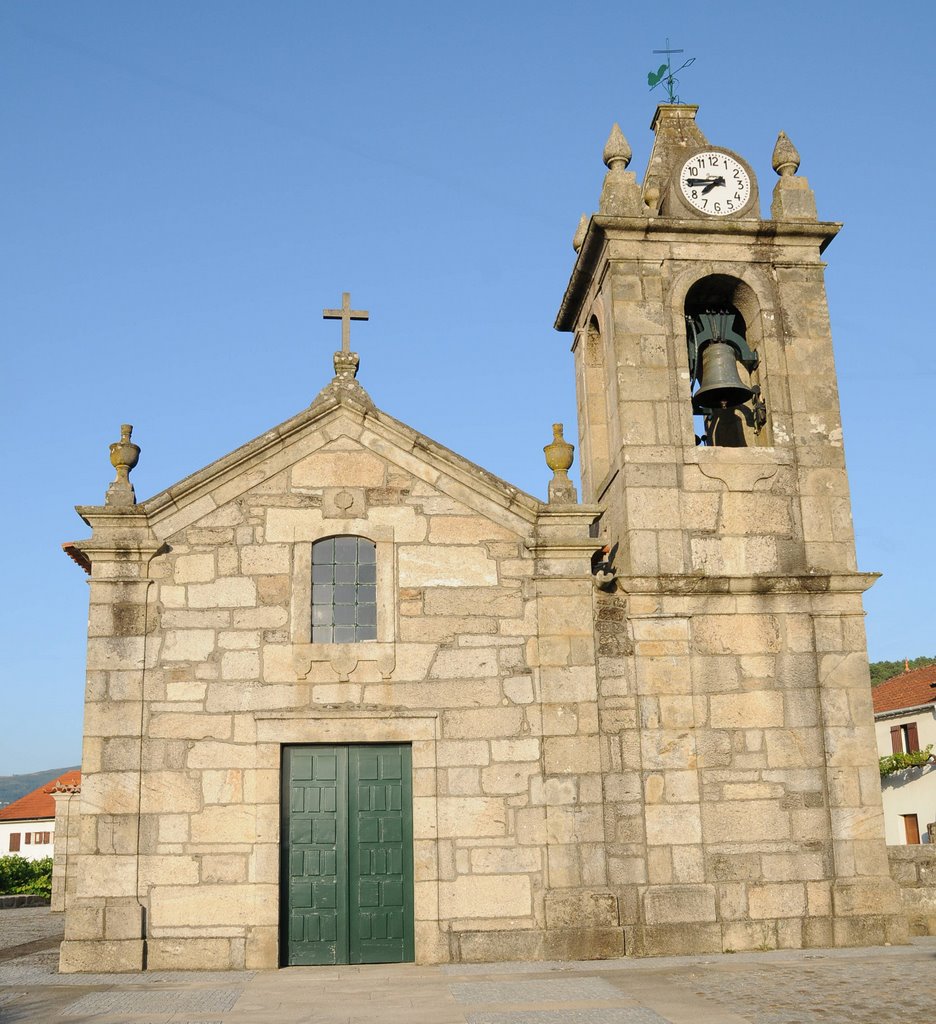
(730, 205)
(704, 203)
(695, 194)
(737, 197)
(717, 207)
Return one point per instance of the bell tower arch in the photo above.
(737, 711)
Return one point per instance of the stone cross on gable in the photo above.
(346, 361)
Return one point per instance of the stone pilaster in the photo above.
(105, 920)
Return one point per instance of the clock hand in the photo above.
(694, 182)
(712, 184)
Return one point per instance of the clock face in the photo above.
(715, 183)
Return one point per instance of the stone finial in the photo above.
(786, 159)
(579, 235)
(793, 199)
(124, 455)
(620, 193)
(616, 148)
(559, 455)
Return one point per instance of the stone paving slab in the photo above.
(854, 986)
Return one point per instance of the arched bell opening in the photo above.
(727, 404)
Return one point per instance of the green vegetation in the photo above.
(18, 875)
(894, 763)
(881, 670)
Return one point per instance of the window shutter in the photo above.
(896, 745)
(28, 838)
(913, 738)
(14, 842)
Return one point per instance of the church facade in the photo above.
(350, 698)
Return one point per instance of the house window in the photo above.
(344, 590)
(14, 842)
(905, 739)
(911, 829)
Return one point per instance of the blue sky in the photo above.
(185, 185)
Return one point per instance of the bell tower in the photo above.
(735, 697)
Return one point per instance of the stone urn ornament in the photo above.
(559, 456)
(124, 455)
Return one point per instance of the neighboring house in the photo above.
(27, 826)
(905, 721)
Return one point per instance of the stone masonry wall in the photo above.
(913, 868)
(487, 673)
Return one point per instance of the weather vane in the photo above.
(665, 73)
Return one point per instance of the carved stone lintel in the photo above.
(345, 658)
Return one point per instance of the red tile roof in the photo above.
(908, 690)
(39, 803)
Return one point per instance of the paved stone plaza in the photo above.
(855, 986)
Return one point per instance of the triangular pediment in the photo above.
(354, 435)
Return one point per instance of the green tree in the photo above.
(881, 670)
(18, 875)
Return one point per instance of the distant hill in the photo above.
(12, 787)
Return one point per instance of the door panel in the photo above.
(381, 871)
(347, 855)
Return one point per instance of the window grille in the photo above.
(344, 590)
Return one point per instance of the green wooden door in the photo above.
(347, 855)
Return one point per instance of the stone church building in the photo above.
(351, 698)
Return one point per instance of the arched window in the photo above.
(344, 590)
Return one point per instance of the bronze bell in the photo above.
(720, 387)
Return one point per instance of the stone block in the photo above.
(359, 468)
(495, 860)
(189, 954)
(477, 723)
(565, 685)
(524, 749)
(673, 824)
(466, 530)
(508, 778)
(486, 896)
(679, 904)
(265, 559)
(194, 568)
(446, 566)
(746, 821)
(751, 709)
(223, 906)
(778, 899)
(471, 817)
(736, 634)
(111, 956)
(571, 754)
(452, 753)
(464, 663)
(230, 592)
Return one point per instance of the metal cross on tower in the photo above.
(665, 73)
(346, 314)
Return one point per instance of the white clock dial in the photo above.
(715, 183)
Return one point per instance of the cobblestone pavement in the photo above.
(856, 986)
